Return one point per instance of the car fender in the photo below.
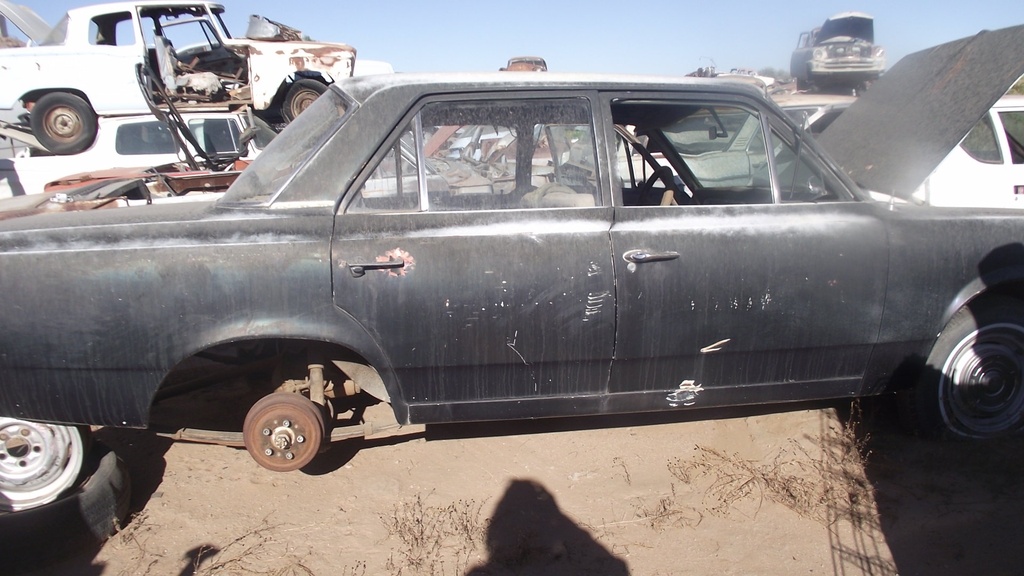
(1000, 279)
(339, 329)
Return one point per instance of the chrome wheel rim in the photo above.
(37, 462)
(981, 392)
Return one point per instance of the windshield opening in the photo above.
(289, 151)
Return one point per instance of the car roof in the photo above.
(131, 6)
(894, 136)
(362, 87)
(1010, 101)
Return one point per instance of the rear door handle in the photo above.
(359, 270)
(642, 256)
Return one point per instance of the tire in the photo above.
(973, 383)
(63, 123)
(300, 95)
(38, 462)
(86, 516)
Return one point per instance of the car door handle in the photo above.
(641, 256)
(359, 270)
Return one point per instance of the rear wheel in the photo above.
(37, 462)
(301, 94)
(63, 123)
(973, 386)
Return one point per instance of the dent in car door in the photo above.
(477, 255)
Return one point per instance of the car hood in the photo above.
(895, 135)
(26, 20)
(853, 25)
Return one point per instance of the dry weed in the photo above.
(431, 534)
(252, 553)
(670, 513)
(824, 487)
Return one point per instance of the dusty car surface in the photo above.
(512, 245)
(89, 64)
(841, 54)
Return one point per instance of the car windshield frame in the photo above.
(289, 152)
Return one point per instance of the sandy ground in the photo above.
(790, 490)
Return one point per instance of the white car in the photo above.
(987, 168)
(89, 64)
(129, 142)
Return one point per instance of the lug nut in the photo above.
(266, 431)
(300, 438)
(289, 456)
(268, 452)
(287, 423)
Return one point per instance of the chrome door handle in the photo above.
(359, 270)
(642, 256)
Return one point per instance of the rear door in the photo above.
(475, 250)
(764, 283)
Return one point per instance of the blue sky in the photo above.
(638, 36)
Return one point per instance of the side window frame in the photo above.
(683, 170)
(799, 143)
(983, 132)
(413, 120)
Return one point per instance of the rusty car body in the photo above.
(93, 61)
(516, 245)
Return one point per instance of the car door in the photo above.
(475, 251)
(105, 70)
(762, 279)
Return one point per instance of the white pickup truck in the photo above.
(110, 59)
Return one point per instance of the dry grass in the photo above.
(253, 553)
(434, 539)
(818, 478)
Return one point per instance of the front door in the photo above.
(476, 253)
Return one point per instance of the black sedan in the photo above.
(482, 247)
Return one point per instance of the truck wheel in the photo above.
(973, 385)
(38, 462)
(301, 94)
(63, 123)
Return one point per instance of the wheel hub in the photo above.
(63, 123)
(986, 388)
(283, 431)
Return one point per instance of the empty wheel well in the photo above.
(35, 95)
(214, 388)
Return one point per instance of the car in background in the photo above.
(135, 141)
(839, 55)
(987, 168)
(119, 58)
(525, 64)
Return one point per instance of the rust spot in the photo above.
(398, 254)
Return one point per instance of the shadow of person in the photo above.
(528, 535)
